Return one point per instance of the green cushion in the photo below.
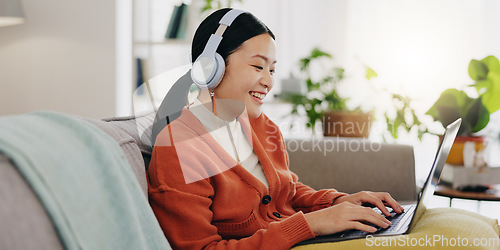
(438, 228)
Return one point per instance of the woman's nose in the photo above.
(267, 81)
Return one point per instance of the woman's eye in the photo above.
(258, 67)
(272, 71)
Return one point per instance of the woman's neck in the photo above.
(225, 109)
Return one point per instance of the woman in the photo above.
(219, 174)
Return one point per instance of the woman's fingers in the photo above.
(387, 198)
(377, 201)
(362, 227)
(368, 215)
(381, 200)
(375, 218)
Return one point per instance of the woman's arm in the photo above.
(307, 199)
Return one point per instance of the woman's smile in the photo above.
(257, 96)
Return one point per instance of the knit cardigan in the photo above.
(203, 198)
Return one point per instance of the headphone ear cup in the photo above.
(219, 73)
(203, 71)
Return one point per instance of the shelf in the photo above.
(158, 54)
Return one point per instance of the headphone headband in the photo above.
(209, 67)
(229, 17)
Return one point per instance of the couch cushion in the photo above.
(125, 131)
(351, 165)
(139, 128)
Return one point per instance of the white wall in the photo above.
(300, 26)
(419, 48)
(61, 59)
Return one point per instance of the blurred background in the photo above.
(88, 57)
(76, 56)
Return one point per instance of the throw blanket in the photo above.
(84, 181)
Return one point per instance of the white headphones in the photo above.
(209, 67)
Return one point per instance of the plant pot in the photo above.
(456, 156)
(347, 124)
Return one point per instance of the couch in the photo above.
(349, 165)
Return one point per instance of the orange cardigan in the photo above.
(203, 199)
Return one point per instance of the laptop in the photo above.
(402, 223)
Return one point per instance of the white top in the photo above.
(218, 130)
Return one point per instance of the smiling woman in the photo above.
(220, 160)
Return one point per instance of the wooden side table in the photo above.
(447, 191)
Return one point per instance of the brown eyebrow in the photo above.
(264, 58)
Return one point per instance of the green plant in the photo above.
(474, 111)
(405, 118)
(401, 114)
(217, 4)
(322, 94)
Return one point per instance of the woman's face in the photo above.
(249, 73)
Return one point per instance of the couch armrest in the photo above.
(24, 224)
(352, 165)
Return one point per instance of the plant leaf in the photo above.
(316, 53)
(451, 105)
(326, 79)
(370, 73)
(491, 97)
(491, 63)
(448, 115)
(304, 63)
(208, 5)
(477, 70)
(477, 116)
(488, 87)
(451, 98)
(339, 73)
(482, 86)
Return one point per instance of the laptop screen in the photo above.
(437, 168)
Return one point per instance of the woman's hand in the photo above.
(377, 199)
(344, 216)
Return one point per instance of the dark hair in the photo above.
(244, 27)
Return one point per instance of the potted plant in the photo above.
(400, 115)
(322, 101)
(474, 109)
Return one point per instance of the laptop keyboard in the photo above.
(396, 219)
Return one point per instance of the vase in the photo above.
(347, 124)
(456, 156)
